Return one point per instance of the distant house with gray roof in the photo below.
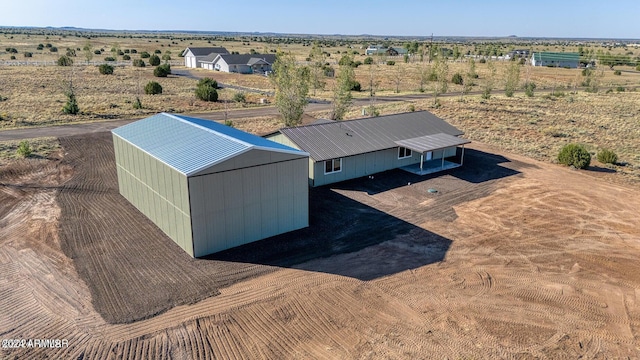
(383, 50)
(194, 55)
(240, 63)
(418, 142)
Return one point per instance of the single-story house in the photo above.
(240, 63)
(383, 50)
(208, 186)
(555, 59)
(194, 55)
(418, 142)
(520, 53)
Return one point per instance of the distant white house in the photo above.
(194, 55)
(383, 50)
(240, 63)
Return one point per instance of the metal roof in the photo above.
(556, 56)
(190, 144)
(352, 137)
(247, 59)
(426, 143)
(203, 51)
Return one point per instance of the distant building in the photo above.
(240, 63)
(194, 55)
(383, 50)
(555, 59)
(522, 53)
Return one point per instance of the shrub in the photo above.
(64, 60)
(355, 64)
(109, 58)
(607, 156)
(638, 68)
(154, 60)
(206, 93)
(528, 88)
(97, 52)
(13, 57)
(53, 49)
(24, 149)
(71, 107)
(126, 51)
(138, 63)
(368, 60)
(126, 57)
(208, 82)
(145, 55)
(483, 60)
(574, 155)
(152, 88)
(586, 72)
(40, 47)
(486, 94)
(355, 86)
(120, 53)
(391, 62)
(166, 57)
(134, 51)
(157, 51)
(239, 97)
(620, 89)
(105, 69)
(457, 79)
(28, 54)
(137, 104)
(617, 72)
(162, 70)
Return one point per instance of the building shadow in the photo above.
(345, 237)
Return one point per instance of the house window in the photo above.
(403, 152)
(332, 166)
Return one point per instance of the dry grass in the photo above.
(41, 147)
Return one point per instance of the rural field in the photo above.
(510, 256)
(505, 260)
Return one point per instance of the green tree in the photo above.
(206, 90)
(71, 106)
(154, 60)
(291, 82)
(162, 70)
(87, 50)
(105, 69)
(529, 87)
(513, 78)
(152, 88)
(489, 81)
(64, 60)
(368, 60)
(441, 69)
(342, 98)
(317, 58)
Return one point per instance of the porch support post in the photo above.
(442, 168)
(462, 157)
(421, 159)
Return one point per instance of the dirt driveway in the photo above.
(511, 258)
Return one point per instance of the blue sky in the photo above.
(542, 18)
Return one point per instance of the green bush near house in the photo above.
(575, 155)
(607, 156)
(152, 88)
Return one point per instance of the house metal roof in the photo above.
(426, 143)
(204, 51)
(190, 144)
(556, 56)
(346, 138)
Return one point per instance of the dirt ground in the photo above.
(511, 258)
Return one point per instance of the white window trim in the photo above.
(406, 150)
(332, 166)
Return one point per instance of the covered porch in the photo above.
(425, 146)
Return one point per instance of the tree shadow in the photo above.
(345, 237)
(601, 169)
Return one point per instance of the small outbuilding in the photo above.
(208, 186)
(418, 142)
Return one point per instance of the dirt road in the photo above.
(511, 258)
